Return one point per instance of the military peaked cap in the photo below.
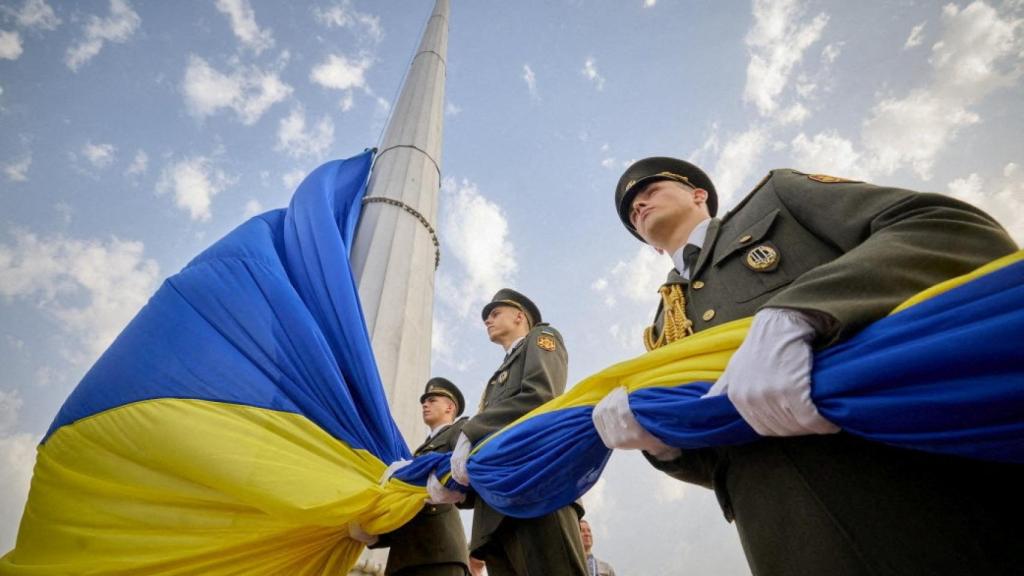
(509, 297)
(657, 168)
(444, 387)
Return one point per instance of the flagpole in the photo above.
(396, 250)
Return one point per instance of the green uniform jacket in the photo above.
(847, 254)
(435, 535)
(533, 373)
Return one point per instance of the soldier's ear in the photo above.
(700, 196)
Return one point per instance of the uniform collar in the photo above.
(513, 345)
(697, 237)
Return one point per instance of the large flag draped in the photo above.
(238, 424)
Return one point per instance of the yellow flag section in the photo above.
(232, 490)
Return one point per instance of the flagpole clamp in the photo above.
(417, 215)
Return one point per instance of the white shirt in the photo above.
(513, 344)
(697, 237)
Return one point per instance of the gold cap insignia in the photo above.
(762, 258)
(828, 179)
(545, 342)
(503, 377)
(630, 185)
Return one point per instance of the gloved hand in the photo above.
(768, 379)
(392, 468)
(356, 532)
(438, 494)
(459, 457)
(618, 428)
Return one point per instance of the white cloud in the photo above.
(451, 109)
(243, 24)
(737, 161)
(17, 458)
(252, 208)
(777, 43)
(37, 14)
(649, 3)
(99, 155)
(830, 52)
(10, 45)
(10, 405)
(118, 27)
(341, 15)
(476, 234)
(139, 165)
(338, 72)
(17, 171)
(291, 180)
(194, 182)
(827, 153)
(916, 37)
(590, 72)
(249, 92)
(89, 289)
(979, 50)
(638, 278)
(913, 130)
(295, 141)
(670, 490)
(1002, 197)
(795, 114)
(531, 81)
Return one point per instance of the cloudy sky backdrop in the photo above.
(134, 134)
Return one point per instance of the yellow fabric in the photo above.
(236, 490)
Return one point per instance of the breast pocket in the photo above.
(752, 264)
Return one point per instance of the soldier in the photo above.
(533, 372)
(433, 543)
(814, 259)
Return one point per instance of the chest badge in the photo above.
(503, 377)
(545, 342)
(763, 258)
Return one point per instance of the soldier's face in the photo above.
(502, 322)
(437, 410)
(663, 210)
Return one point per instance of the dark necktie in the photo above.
(691, 252)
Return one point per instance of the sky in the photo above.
(134, 134)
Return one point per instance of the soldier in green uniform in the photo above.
(534, 371)
(433, 543)
(814, 259)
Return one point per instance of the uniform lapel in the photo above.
(709, 246)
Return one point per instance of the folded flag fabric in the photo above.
(943, 373)
(238, 424)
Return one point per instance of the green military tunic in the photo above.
(433, 542)
(533, 373)
(846, 253)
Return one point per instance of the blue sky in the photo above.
(134, 134)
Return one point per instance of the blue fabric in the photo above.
(268, 316)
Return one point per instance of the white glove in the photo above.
(618, 427)
(459, 457)
(768, 379)
(392, 468)
(438, 494)
(356, 532)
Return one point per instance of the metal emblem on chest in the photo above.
(503, 377)
(763, 258)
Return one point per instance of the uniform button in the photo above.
(745, 238)
(697, 284)
(708, 315)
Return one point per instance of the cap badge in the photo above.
(545, 342)
(630, 185)
(763, 258)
